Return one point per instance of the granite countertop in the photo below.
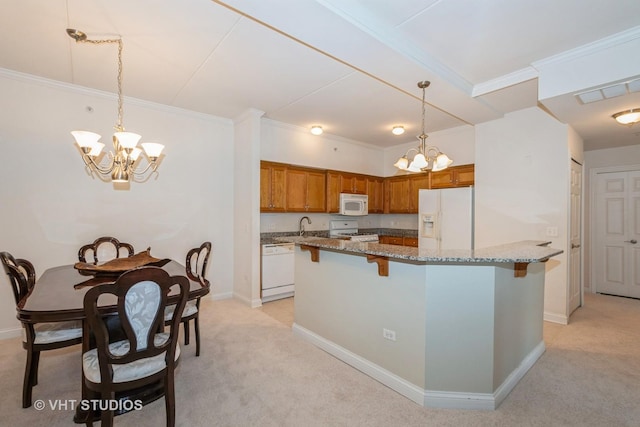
(523, 251)
(270, 238)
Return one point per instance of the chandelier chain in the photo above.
(118, 125)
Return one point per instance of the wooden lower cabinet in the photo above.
(399, 240)
(410, 241)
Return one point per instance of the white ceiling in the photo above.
(351, 66)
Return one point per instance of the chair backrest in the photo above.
(22, 275)
(197, 259)
(104, 249)
(142, 295)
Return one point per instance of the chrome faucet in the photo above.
(301, 227)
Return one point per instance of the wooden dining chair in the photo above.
(36, 337)
(104, 249)
(196, 266)
(146, 355)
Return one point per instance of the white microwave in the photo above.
(354, 204)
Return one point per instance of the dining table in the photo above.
(58, 295)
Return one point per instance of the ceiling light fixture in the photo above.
(628, 117)
(122, 163)
(316, 130)
(397, 130)
(426, 157)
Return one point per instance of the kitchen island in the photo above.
(451, 328)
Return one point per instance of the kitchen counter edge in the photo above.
(522, 251)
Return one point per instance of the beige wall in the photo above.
(50, 206)
(522, 189)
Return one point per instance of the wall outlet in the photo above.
(271, 227)
(389, 334)
(552, 231)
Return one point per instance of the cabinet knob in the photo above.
(632, 241)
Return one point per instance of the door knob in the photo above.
(632, 241)
(574, 246)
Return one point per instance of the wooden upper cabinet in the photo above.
(354, 184)
(402, 192)
(306, 190)
(333, 192)
(341, 182)
(272, 187)
(456, 176)
(417, 183)
(375, 191)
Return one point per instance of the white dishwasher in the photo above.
(277, 271)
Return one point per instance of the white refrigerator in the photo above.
(445, 218)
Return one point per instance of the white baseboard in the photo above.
(376, 372)
(221, 296)
(426, 398)
(10, 333)
(556, 318)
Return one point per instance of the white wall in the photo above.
(522, 179)
(609, 158)
(295, 145)
(246, 181)
(50, 206)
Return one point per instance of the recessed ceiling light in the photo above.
(397, 130)
(316, 130)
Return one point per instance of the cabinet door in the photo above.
(394, 240)
(265, 188)
(375, 191)
(296, 184)
(316, 192)
(410, 241)
(398, 195)
(442, 179)
(359, 184)
(417, 182)
(457, 176)
(465, 175)
(272, 187)
(333, 192)
(353, 184)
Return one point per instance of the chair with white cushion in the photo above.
(148, 354)
(36, 337)
(196, 266)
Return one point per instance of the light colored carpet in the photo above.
(253, 372)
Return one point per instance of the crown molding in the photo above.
(519, 76)
(590, 48)
(82, 90)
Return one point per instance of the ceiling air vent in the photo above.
(607, 92)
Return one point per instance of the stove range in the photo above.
(348, 229)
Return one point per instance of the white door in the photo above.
(617, 221)
(575, 255)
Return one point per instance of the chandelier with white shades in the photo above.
(426, 157)
(121, 164)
